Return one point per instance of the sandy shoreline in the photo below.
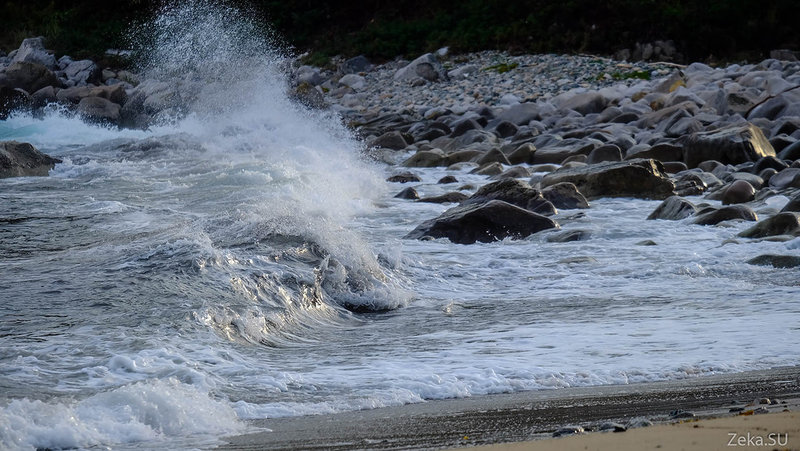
(525, 416)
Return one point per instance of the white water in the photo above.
(162, 286)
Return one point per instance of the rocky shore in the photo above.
(548, 132)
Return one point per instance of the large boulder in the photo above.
(484, 222)
(32, 51)
(82, 72)
(565, 195)
(786, 223)
(22, 159)
(390, 140)
(98, 109)
(13, 99)
(729, 213)
(515, 192)
(673, 208)
(733, 144)
(642, 178)
(426, 66)
(28, 76)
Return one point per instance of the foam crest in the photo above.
(140, 412)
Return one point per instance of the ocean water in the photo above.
(162, 287)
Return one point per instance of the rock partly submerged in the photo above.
(22, 159)
(641, 178)
(485, 222)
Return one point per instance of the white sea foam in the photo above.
(146, 411)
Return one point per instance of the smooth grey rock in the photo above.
(793, 204)
(608, 152)
(390, 140)
(408, 193)
(787, 178)
(355, 65)
(729, 145)
(738, 192)
(731, 212)
(673, 208)
(786, 223)
(404, 177)
(515, 192)
(424, 159)
(354, 81)
(484, 222)
(522, 154)
(82, 72)
(791, 152)
(446, 198)
(409, 72)
(776, 261)
(32, 51)
(569, 236)
(640, 178)
(22, 159)
(488, 169)
(519, 114)
(461, 156)
(28, 76)
(565, 196)
(98, 109)
(492, 156)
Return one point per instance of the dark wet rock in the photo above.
(793, 204)
(447, 179)
(585, 103)
(461, 156)
(424, 159)
(492, 156)
(98, 109)
(464, 125)
(689, 186)
(484, 222)
(404, 177)
(309, 95)
(647, 243)
(738, 192)
(769, 162)
(613, 427)
(408, 193)
(447, 198)
(565, 195)
(776, 261)
(791, 152)
(568, 430)
(608, 152)
(557, 155)
(22, 159)
(674, 167)
(632, 178)
(673, 208)
(505, 129)
(787, 178)
(488, 169)
(515, 192)
(767, 174)
(729, 145)
(785, 223)
(579, 158)
(522, 154)
(661, 152)
(390, 140)
(13, 99)
(709, 165)
(543, 167)
(569, 236)
(355, 65)
(30, 77)
(754, 180)
(512, 173)
(731, 212)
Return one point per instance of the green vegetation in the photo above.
(729, 29)
(637, 74)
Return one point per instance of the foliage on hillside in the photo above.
(384, 29)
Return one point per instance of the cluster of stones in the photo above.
(729, 134)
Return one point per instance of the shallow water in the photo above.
(161, 287)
